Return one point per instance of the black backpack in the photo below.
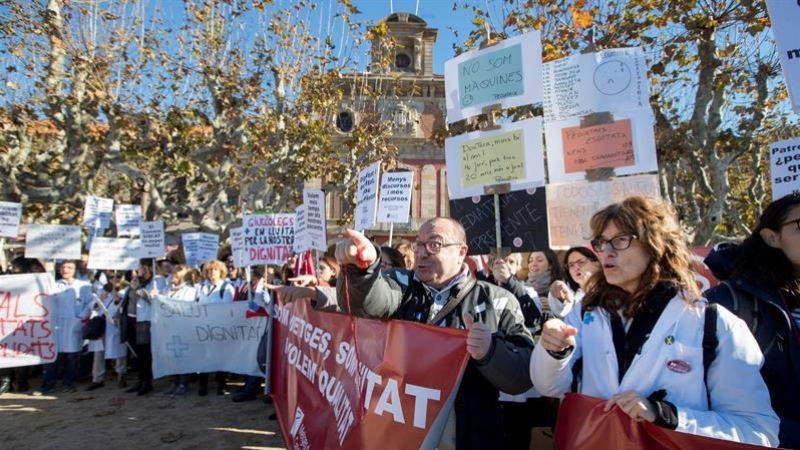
(94, 328)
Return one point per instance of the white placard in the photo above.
(199, 248)
(513, 154)
(10, 215)
(784, 157)
(26, 334)
(268, 238)
(610, 80)
(640, 135)
(507, 74)
(128, 218)
(237, 246)
(300, 230)
(367, 196)
(570, 206)
(114, 254)
(189, 337)
(395, 200)
(151, 235)
(50, 242)
(97, 212)
(316, 230)
(785, 15)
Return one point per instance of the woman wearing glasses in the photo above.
(763, 288)
(581, 263)
(639, 334)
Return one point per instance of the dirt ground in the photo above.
(108, 418)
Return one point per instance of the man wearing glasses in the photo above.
(442, 291)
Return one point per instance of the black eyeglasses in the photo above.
(578, 263)
(621, 242)
(432, 247)
(796, 223)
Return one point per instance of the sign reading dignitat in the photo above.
(441, 291)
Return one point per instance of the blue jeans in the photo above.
(50, 370)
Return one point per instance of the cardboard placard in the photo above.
(128, 218)
(523, 218)
(51, 242)
(114, 254)
(784, 159)
(367, 196)
(316, 228)
(395, 200)
(268, 238)
(600, 146)
(10, 215)
(151, 236)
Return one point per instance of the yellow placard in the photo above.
(493, 160)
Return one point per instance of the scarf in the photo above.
(540, 282)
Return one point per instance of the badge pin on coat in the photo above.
(678, 366)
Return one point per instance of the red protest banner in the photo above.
(583, 425)
(391, 388)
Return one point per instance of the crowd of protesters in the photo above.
(621, 319)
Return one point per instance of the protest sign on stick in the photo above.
(199, 248)
(238, 249)
(784, 16)
(316, 228)
(268, 238)
(50, 242)
(367, 196)
(114, 254)
(506, 74)
(301, 241)
(27, 333)
(612, 80)
(570, 206)
(10, 215)
(395, 198)
(523, 219)
(512, 154)
(785, 165)
(151, 239)
(97, 212)
(128, 218)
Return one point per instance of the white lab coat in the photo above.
(740, 399)
(184, 292)
(144, 307)
(73, 303)
(110, 343)
(221, 292)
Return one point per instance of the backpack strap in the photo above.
(745, 307)
(710, 343)
(452, 302)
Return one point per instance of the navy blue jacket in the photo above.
(781, 370)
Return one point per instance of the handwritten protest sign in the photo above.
(114, 253)
(367, 196)
(523, 218)
(128, 218)
(628, 146)
(97, 212)
(317, 233)
(514, 154)
(506, 74)
(611, 80)
(49, 242)
(301, 241)
(784, 16)
(238, 249)
(151, 236)
(268, 238)
(199, 248)
(570, 206)
(333, 391)
(189, 337)
(10, 215)
(26, 326)
(784, 157)
(395, 199)
(600, 146)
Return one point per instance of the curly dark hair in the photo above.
(765, 265)
(656, 227)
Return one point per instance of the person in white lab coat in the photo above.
(639, 334)
(109, 346)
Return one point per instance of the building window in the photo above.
(345, 121)
(402, 61)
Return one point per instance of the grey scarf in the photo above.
(540, 282)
